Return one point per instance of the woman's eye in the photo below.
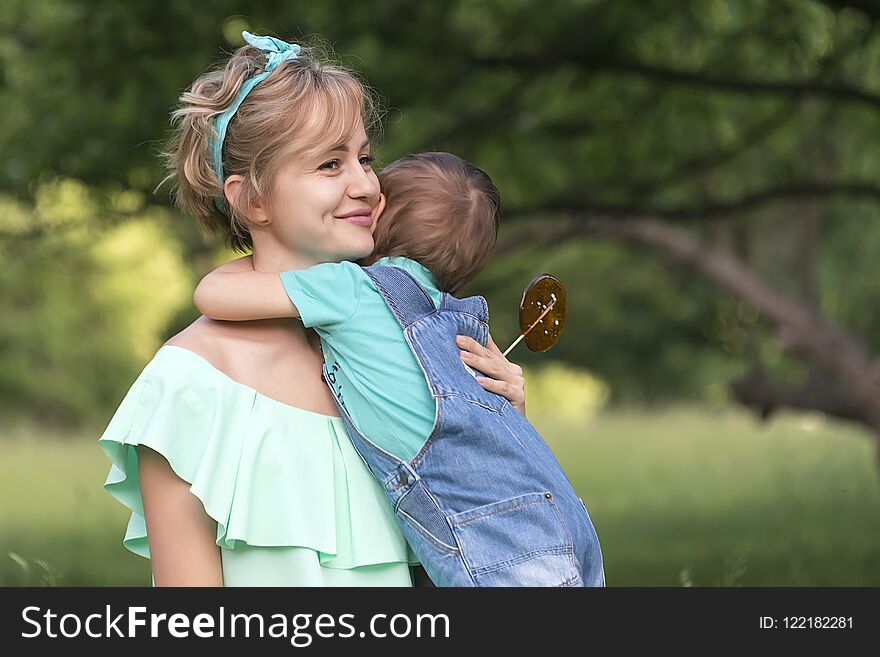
(367, 160)
(329, 166)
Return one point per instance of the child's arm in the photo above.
(243, 295)
(235, 291)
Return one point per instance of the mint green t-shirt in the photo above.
(372, 369)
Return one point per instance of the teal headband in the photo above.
(277, 51)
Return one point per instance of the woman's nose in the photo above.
(364, 183)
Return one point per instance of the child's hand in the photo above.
(506, 377)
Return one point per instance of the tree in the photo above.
(736, 140)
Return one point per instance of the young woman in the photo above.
(228, 448)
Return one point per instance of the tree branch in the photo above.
(756, 391)
(871, 8)
(805, 331)
(713, 210)
(790, 88)
(795, 88)
(753, 136)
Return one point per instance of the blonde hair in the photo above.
(442, 212)
(304, 105)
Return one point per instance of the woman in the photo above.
(228, 448)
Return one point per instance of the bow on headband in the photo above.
(277, 51)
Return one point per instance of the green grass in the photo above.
(53, 508)
(689, 497)
(678, 497)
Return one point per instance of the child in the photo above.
(477, 492)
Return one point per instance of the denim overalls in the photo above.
(484, 502)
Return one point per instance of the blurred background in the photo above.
(701, 174)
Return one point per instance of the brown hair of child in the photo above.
(442, 212)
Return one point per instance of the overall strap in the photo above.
(403, 294)
(475, 306)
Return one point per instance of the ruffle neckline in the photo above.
(268, 473)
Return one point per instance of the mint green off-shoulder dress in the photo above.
(294, 503)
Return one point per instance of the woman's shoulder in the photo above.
(181, 385)
(272, 357)
(212, 367)
(207, 339)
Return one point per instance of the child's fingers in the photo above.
(484, 365)
(490, 351)
(514, 394)
(493, 385)
(471, 345)
(513, 368)
(491, 362)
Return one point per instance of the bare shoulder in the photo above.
(206, 338)
(273, 357)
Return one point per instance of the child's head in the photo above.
(442, 212)
(303, 106)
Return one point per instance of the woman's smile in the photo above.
(359, 217)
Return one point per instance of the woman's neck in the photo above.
(269, 259)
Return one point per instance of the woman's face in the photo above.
(322, 207)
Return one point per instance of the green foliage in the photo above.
(567, 393)
(83, 306)
(657, 107)
(142, 278)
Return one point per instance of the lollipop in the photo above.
(542, 313)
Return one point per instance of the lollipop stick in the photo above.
(528, 330)
(515, 342)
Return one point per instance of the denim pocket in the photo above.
(419, 510)
(520, 541)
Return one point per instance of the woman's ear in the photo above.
(377, 210)
(256, 212)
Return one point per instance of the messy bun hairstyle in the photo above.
(303, 106)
